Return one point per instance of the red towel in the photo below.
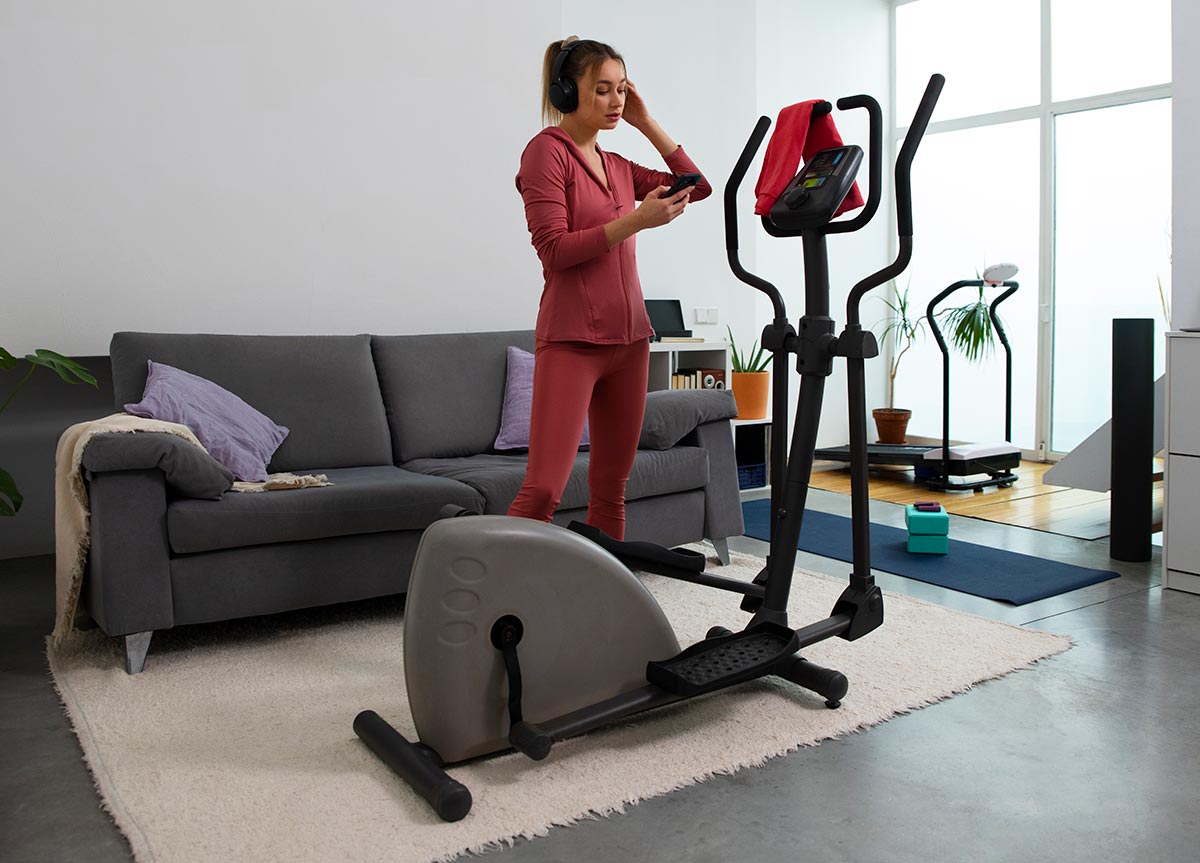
(797, 133)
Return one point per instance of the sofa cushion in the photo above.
(498, 477)
(323, 388)
(444, 393)
(672, 414)
(233, 432)
(516, 414)
(361, 500)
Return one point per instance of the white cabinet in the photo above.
(1181, 508)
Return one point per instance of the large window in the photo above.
(1049, 106)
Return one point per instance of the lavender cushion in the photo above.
(518, 403)
(235, 434)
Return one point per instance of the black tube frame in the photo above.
(1005, 477)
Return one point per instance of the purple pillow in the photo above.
(518, 403)
(235, 434)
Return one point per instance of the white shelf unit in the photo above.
(668, 357)
(1181, 480)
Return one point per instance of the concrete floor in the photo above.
(1091, 756)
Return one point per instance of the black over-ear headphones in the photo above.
(564, 95)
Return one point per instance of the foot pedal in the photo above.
(719, 662)
(642, 555)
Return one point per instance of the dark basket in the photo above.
(752, 476)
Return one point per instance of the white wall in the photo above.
(295, 166)
(276, 166)
(1185, 206)
(812, 51)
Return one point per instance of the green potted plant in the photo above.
(905, 329)
(67, 369)
(750, 380)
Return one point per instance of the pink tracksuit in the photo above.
(592, 329)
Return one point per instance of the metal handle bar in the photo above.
(903, 201)
(731, 227)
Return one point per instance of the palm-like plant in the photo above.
(756, 360)
(970, 329)
(67, 369)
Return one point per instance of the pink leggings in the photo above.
(607, 385)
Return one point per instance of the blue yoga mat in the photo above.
(976, 569)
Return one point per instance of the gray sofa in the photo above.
(402, 426)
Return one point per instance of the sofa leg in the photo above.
(722, 547)
(136, 648)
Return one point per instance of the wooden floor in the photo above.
(1028, 503)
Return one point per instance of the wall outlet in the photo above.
(706, 316)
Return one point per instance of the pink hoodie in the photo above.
(592, 292)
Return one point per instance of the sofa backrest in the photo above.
(323, 388)
(444, 393)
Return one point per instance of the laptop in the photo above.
(666, 316)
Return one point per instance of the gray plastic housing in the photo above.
(590, 627)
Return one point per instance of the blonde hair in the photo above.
(587, 56)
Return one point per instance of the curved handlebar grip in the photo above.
(731, 226)
(735, 180)
(912, 140)
(875, 169)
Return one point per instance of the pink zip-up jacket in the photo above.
(592, 292)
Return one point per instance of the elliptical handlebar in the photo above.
(912, 139)
(908, 150)
(875, 169)
(731, 226)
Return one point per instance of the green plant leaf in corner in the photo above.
(7, 360)
(10, 497)
(66, 368)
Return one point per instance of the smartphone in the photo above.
(683, 181)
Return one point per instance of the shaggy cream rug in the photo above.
(236, 741)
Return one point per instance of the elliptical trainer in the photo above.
(805, 209)
(519, 633)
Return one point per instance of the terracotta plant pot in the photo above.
(892, 424)
(750, 392)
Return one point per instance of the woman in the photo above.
(593, 333)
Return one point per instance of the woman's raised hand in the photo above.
(635, 112)
(658, 210)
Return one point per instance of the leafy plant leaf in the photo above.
(10, 496)
(7, 360)
(755, 360)
(970, 328)
(66, 368)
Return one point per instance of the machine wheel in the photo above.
(833, 705)
(718, 631)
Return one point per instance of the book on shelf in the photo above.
(698, 379)
(677, 339)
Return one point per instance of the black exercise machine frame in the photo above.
(998, 467)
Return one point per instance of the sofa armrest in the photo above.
(671, 415)
(722, 497)
(187, 470)
(127, 582)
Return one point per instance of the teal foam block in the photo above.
(927, 544)
(926, 523)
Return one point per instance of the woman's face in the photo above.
(602, 95)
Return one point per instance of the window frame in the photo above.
(1046, 111)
